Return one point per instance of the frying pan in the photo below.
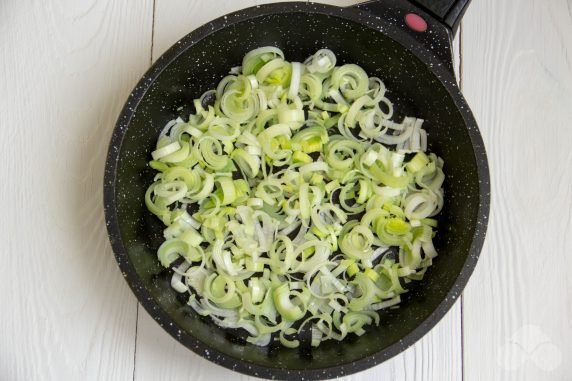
(407, 45)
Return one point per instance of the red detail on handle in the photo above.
(415, 22)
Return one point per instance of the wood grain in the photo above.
(438, 356)
(517, 77)
(66, 69)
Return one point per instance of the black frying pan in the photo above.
(416, 66)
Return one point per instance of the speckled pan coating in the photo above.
(420, 84)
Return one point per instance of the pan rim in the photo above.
(110, 204)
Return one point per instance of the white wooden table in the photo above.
(67, 66)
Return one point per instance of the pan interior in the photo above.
(415, 91)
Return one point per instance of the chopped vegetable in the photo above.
(292, 201)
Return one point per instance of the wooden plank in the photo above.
(159, 357)
(66, 69)
(517, 77)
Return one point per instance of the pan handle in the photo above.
(449, 12)
(432, 23)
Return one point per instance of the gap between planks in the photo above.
(460, 74)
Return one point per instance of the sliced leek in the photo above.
(283, 193)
